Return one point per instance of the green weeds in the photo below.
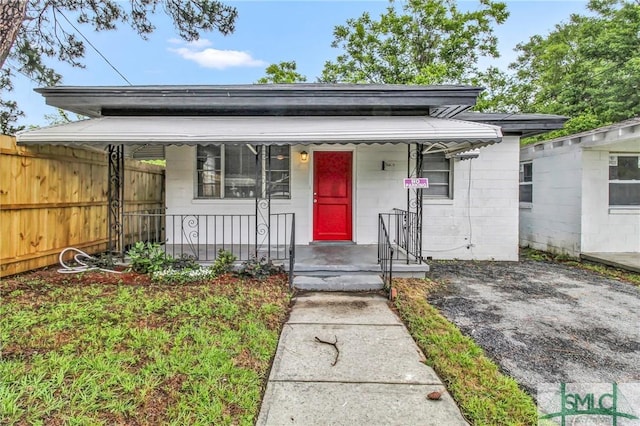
(604, 270)
(484, 394)
(114, 354)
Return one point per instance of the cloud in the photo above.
(199, 52)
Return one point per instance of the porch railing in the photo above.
(385, 252)
(203, 235)
(292, 250)
(405, 234)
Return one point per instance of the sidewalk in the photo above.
(378, 377)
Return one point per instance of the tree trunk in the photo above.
(12, 14)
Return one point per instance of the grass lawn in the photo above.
(117, 349)
(484, 394)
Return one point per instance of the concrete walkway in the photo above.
(375, 376)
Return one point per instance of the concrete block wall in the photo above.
(605, 229)
(486, 221)
(481, 220)
(552, 221)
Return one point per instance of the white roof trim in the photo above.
(280, 130)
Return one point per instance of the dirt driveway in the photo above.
(543, 321)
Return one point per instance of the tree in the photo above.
(284, 72)
(587, 68)
(31, 32)
(62, 117)
(423, 42)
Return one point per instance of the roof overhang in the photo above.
(621, 137)
(263, 99)
(454, 135)
(520, 124)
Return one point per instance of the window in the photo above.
(229, 171)
(624, 180)
(437, 168)
(526, 182)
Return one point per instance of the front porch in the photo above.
(317, 266)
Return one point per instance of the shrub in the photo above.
(185, 261)
(223, 263)
(259, 268)
(146, 258)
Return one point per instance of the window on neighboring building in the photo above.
(526, 182)
(437, 168)
(624, 180)
(229, 171)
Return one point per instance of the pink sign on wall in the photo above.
(416, 183)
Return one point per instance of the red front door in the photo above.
(332, 195)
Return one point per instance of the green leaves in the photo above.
(587, 68)
(283, 72)
(422, 42)
(44, 32)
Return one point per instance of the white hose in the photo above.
(79, 257)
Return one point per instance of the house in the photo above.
(580, 194)
(269, 167)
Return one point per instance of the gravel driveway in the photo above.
(543, 321)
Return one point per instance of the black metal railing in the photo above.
(385, 252)
(203, 235)
(292, 250)
(405, 235)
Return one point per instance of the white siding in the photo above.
(492, 208)
(552, 222)
(603, 229)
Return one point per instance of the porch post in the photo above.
(263, 201)
(414, 200)
(115, 199)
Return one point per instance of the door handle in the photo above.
(315, 200)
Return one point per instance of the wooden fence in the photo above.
(53, 197)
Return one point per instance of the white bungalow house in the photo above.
(580, 194)
(243, 161)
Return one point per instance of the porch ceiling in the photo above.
(275, 130)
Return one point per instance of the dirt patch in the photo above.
(543, 321)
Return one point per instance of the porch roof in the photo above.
(455, 135)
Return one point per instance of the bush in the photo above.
(185, 261)
(223, 263)
(259, 268)
(147, 258)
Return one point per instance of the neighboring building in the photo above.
(334, 155)
(581, 193)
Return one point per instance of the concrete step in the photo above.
(335, 270)
(349, 282)
(400, 270)
(412, 270)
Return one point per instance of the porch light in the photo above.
(304, 156)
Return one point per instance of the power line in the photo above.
(94, 48)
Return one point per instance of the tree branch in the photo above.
(335, 346)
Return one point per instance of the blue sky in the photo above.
(266, 32)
